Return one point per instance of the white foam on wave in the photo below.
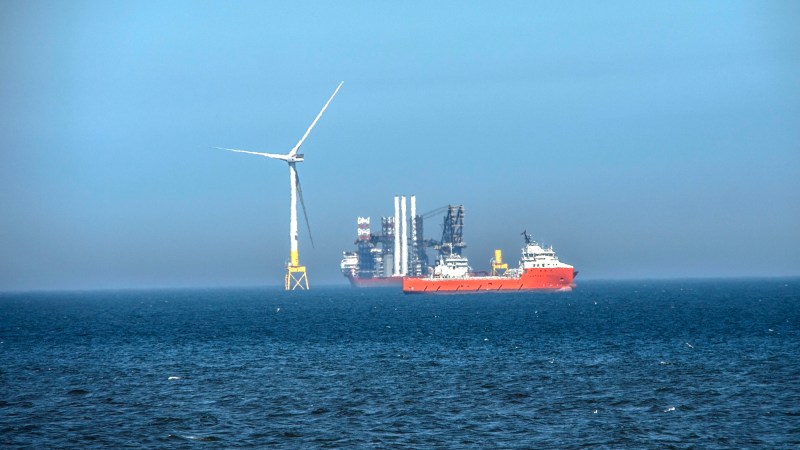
(174, 378)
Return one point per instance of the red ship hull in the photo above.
(375, 282)
(538, 279)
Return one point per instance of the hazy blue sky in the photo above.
(641, 139)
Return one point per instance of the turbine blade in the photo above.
(302, 139)
(268, 155)
(303, 204)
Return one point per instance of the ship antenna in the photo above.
(527, 238)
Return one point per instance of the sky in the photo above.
(643, 140)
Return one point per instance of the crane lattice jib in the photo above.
(453, 231)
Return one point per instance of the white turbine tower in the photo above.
(296, 276)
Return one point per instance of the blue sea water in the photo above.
(658, 364)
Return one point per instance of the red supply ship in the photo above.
(539, 270)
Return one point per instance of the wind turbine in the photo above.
(296, 277)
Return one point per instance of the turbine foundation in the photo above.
(296, 278)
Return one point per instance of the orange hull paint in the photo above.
(556, 279)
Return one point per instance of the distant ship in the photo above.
(539, 270)
(373, 276)
(383, 258)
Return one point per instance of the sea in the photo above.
(684, 364)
